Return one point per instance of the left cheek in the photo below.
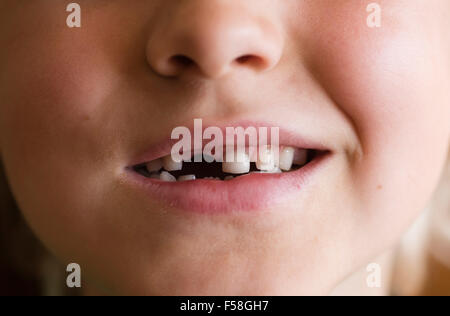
(390, 89)
(391, 92)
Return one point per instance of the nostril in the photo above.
(251, 61)
(173, 66)
(181, 60)
(178, 63)
(244, 59)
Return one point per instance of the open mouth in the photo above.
(218, 186)
(289, 159)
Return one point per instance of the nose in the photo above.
(212, 38)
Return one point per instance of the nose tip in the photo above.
(213, 42)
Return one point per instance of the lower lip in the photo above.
(252, 192)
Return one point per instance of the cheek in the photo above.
(56, 82)
(65, 87)
(392, 82)
(49, 110)
(393, 93)
(388, 82)
(53, 147)
(52, 144)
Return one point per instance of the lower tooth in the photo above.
(275, 170)
(167, 177)
(229, 178)
(189, 177)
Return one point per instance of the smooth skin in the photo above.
(77, 105)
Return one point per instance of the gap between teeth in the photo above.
(265, 163)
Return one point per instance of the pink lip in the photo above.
(252, 192)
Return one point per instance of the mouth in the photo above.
(252, 183)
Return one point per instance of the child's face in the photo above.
(79, 105)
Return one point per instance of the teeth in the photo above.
(265, 163)
(240, 165)
(167, 177)
(171, 165)
(275, 170)
(155, 165)
(189, 177)
(266, 159)
(286, 158)
(300, 157)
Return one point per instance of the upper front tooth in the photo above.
(155, 165)
(167, 177)
(300, 157)
(266, 159)
(286, 158)
(171, 165)
(241, 164)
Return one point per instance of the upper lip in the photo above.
(287, 137)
